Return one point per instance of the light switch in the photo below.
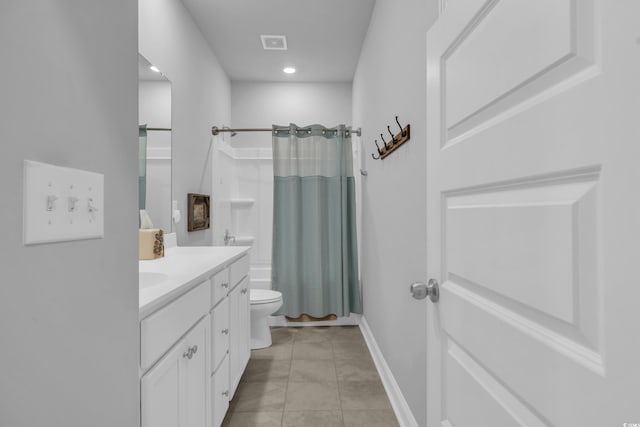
(61, 204)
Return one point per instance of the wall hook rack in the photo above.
(396, 141)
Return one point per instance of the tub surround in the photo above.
(184, 267)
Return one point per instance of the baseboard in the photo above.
(353, 319)
(398, 402)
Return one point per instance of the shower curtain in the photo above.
(314, 257)
(142, 166)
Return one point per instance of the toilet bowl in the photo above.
(264, 302)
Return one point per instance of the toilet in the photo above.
(264, 302)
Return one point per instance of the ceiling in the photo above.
(324, 37)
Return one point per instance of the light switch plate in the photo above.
(61, 204)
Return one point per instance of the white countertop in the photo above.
(185, 267)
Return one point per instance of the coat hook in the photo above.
(375, 141)
(392, 136)
(384, 142)
(404, 132)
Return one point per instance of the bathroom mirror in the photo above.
(154, 111)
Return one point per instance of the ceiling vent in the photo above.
(274, 42)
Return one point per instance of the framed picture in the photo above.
(199, 212)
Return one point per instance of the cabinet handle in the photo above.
(225, 331)
(190, 352)
(244, 291)
(225, 285)
(225, 393)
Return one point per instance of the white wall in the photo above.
(170, 40)
(390, 81)
(154, 110)
(262, 105)
(69, 311)
(255, 104)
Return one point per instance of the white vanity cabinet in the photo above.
(194, 346)
(174, 391)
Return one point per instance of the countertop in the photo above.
(184, 267)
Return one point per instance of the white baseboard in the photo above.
(398, 402)
(353, 319)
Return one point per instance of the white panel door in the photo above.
(533, 196)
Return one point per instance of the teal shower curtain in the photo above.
(314, 257)
(142, 166)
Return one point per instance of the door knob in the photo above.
(420, 291)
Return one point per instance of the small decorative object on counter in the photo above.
(150, 243)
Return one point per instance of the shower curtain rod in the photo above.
(216, 130)
(160, 129)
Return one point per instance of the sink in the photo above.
(147, 279)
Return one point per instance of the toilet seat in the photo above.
(264, 296)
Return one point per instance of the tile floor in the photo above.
(311, 377)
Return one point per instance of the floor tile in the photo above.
(276, 351)
(253, 419)
(312, 396)
(312, 419)
(312, 350)
(310, 334)
(350, 350)
(282, 335)
(312, 370)
(261, 370)
(343, 332)
(311, 377)
(363, 395)
(260, 396)
(369, 418)
(360, 369)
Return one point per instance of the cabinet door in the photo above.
(235, 297)
(239, 330)
(174, 393)
(196, 376)
(160, 391)
(220, 393)
(245, 324)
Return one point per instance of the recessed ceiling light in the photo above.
(289, 70)
(154, 68)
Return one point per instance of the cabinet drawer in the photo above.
(219, 333)
(220, 393)
(219, 286)
(162, 329)
(238, 270)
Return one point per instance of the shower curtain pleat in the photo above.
(314, 257)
